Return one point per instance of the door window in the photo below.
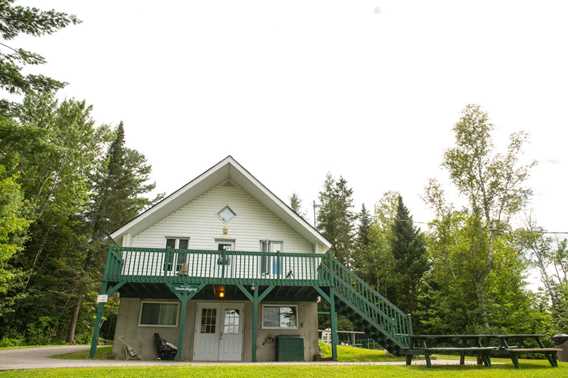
(208, 320)
(232, 321)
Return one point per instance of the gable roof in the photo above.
(228, 168)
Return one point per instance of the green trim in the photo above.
(254, 321)
(323, 294)
(265, 293)
(184, 297)
(334, 337)
(243, 269)
(246, 292)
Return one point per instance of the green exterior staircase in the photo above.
(370, 305)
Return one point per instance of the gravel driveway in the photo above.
(34, 358)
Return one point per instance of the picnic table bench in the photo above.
(514, 351)
(482, 346)
(464, 345)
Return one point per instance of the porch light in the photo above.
(220, 291)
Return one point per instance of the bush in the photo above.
(42, 331)
(12, 342)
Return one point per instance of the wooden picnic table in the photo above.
(507, 345)
(480, 345)
(464, 345)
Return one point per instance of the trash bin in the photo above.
(561, 340)
(289, 348)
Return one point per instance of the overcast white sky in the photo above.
(295, 89)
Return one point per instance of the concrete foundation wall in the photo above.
(141, 338)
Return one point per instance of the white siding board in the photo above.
(198, 220)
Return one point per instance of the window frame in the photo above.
(227, 260)
(140, 324)
(281, 305)
(177, 265)
(268, 263)
(221, 217)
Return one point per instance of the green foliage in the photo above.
(410, 260)
(550, 257)
(42, 331)
(296, 205)
(71, 193)
(12, 342)
(16, 20)
(13, 226)
(449, 300)
(476, 282)
(335, 217)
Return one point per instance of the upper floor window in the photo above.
(176, 243)
(225, 245)
(270, 264)
(226, 214)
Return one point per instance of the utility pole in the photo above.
(315, 206)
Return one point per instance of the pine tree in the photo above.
(17, 20)
(296, 204)
(120, 186)
(362, 240)
(363, 228)
(409, 252)
(335, 217)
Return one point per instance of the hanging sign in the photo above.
(102, 298)
(186, 288)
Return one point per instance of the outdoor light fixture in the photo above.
(220, 291)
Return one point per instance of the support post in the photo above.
(97, 323)
(254, 320)
(181, 339)
(183, 293)
(255, 299)
(334, 338)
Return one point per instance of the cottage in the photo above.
(223, 268)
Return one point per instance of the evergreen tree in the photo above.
(362, 241)
(16, 20)
(364, 219)
(120, 187)
(335, 217)
(409, 253)
(50, 149)
(296, 205)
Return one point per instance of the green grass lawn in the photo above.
(346, 353)
(104, 352)
(529, 368)
(532, 369)
(27, 346)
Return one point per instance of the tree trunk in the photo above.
(74, 320)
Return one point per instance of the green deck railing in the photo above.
(129, 264)
(163, 265)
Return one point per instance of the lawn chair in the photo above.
(127, 352)
(164, 349)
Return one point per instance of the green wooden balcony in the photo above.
(186, 272)
(162, 265)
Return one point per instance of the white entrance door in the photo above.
(218, 332)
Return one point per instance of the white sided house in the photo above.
(226, 271)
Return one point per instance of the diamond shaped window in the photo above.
(226, 214)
